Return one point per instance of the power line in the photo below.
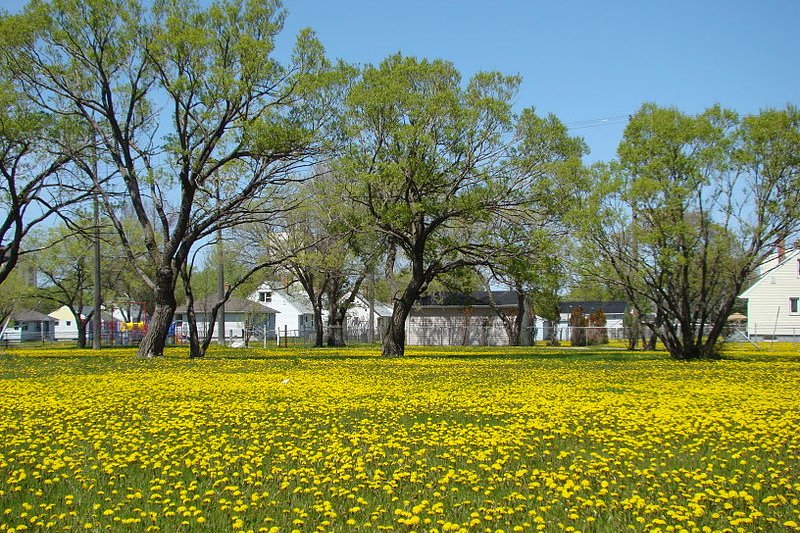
(613, 120)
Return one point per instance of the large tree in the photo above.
(691, 208)
(36, 148)
(432, 163)
(188, 108)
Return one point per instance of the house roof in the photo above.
(475, 299)
(610, 308)
(380, 308)
(87, 310)
(29, 315)
(790, 254)
(301, 304)
(233, 305)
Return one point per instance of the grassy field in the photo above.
(488, 440)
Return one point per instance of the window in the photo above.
(69, 322)
(264, 296)
(794, 306)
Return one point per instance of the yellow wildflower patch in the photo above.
(425, 443)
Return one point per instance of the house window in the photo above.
(264, 296)
(69, 322)
(794, 306)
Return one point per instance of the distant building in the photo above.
(773, 301)
(295, 316)
(357, 319)
(66, 327)
(456, 319)
(244, 319)
(28, 325)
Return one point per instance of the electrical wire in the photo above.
(613, 120)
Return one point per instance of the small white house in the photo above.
(27, 325)
(66, 327)
(244, 320)
(455, 319)
(295, 316)
(773, 301)
(357, 318)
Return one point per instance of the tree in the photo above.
(35, 182)
(578, 323)
(432, 164)
(690, 210)
(187, 107)
(597, 334)
(527, 262)
(64, 269)
(199, 287)
(329, 259)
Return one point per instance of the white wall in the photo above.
(289, 316)
(67, 328)
(768, 311)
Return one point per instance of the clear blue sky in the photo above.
(585, 59)
(581, 59)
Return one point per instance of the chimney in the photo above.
(781, 250)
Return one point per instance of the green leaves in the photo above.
(691, 208)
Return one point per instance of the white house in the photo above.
(471, 319)
(66, 328)
(244, 320)
(357, 319)
(295, 316)
(27, 325)
(773, 301)
(454, 319)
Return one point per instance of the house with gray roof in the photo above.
(27, 325)
(244, 320)
(458, 319)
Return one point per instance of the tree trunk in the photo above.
(319, 327)
(527, 335)
(82, 327)
(155, 339)
(394, 341)
(195, 348)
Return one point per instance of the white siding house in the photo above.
(454, 319)
(66, 327)
(773, 301)
(357, 318)
(27, 325)
(244, 320)
(295, 316)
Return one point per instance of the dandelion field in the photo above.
(423, 443)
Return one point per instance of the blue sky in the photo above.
(582, 60)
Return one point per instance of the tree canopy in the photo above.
(691, 208)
